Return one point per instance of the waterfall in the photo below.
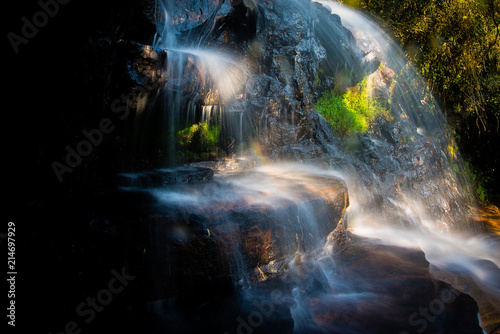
(439, 211)
(202, 81)
(287, 212)
(420, 120)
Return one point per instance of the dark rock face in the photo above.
(301, 50)
(294, 51)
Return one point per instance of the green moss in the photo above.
(197, 141)
(351, 112)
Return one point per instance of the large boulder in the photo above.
(227, 228)
(372, 287)
(193, 230)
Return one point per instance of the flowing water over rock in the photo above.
(299, 229)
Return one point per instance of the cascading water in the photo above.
(419, 119)
(405, 189)
(204, 83)
(435, 209)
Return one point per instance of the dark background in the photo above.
(49, 99)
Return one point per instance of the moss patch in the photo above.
(351, 112)
(198, 142)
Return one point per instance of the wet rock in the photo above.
(380, 289)
(295, 39)
(226, 235)
(185, 231)
(192, 21)
(380, 86)
(163, 177)
(489, 306)
(293, 54)
(260, 88)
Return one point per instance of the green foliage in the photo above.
(479, 181)
(197, 141)
(351, 112)
(456, 46)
